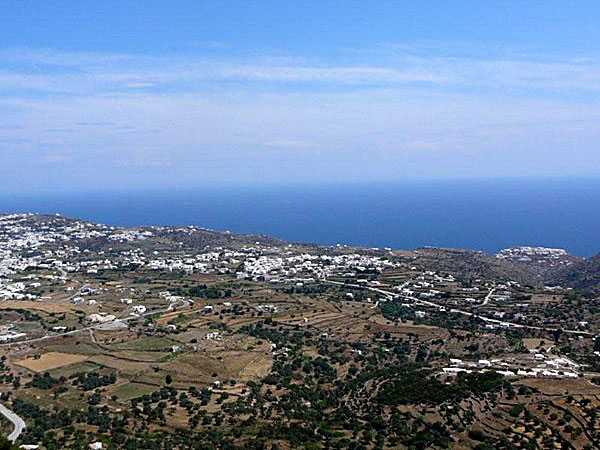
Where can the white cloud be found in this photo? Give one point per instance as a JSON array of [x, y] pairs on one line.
[[139, 85], [422, 145], [288, 144], [53, 159], [101, 74], [222, 118]]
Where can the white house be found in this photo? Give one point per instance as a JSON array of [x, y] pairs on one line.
[[138, 309]]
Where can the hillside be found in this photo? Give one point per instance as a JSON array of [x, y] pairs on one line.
[[193, 333], [470, 264], [584, 275]]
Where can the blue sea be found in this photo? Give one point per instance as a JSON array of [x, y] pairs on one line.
[[484, 215]]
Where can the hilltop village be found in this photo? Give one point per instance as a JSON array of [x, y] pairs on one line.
[[183, 337]]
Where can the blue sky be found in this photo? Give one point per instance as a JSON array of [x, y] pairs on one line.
[[188, 93]]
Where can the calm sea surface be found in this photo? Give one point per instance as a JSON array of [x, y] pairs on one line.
[[482, 215]]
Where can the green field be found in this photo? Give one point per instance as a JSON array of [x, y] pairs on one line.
[[131, 390], [147, 343]]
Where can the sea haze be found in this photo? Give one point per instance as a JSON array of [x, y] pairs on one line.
[[482, 214]]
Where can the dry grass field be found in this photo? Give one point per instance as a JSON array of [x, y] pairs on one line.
[[533, 343], [50, 360], [36, 306], [123, 366], [212, 363], [579, 386]]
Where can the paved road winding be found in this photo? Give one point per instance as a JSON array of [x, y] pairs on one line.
[[393, 295], [16, 420], [488, 297]]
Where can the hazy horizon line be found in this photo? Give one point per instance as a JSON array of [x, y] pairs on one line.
[[306, 184]]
